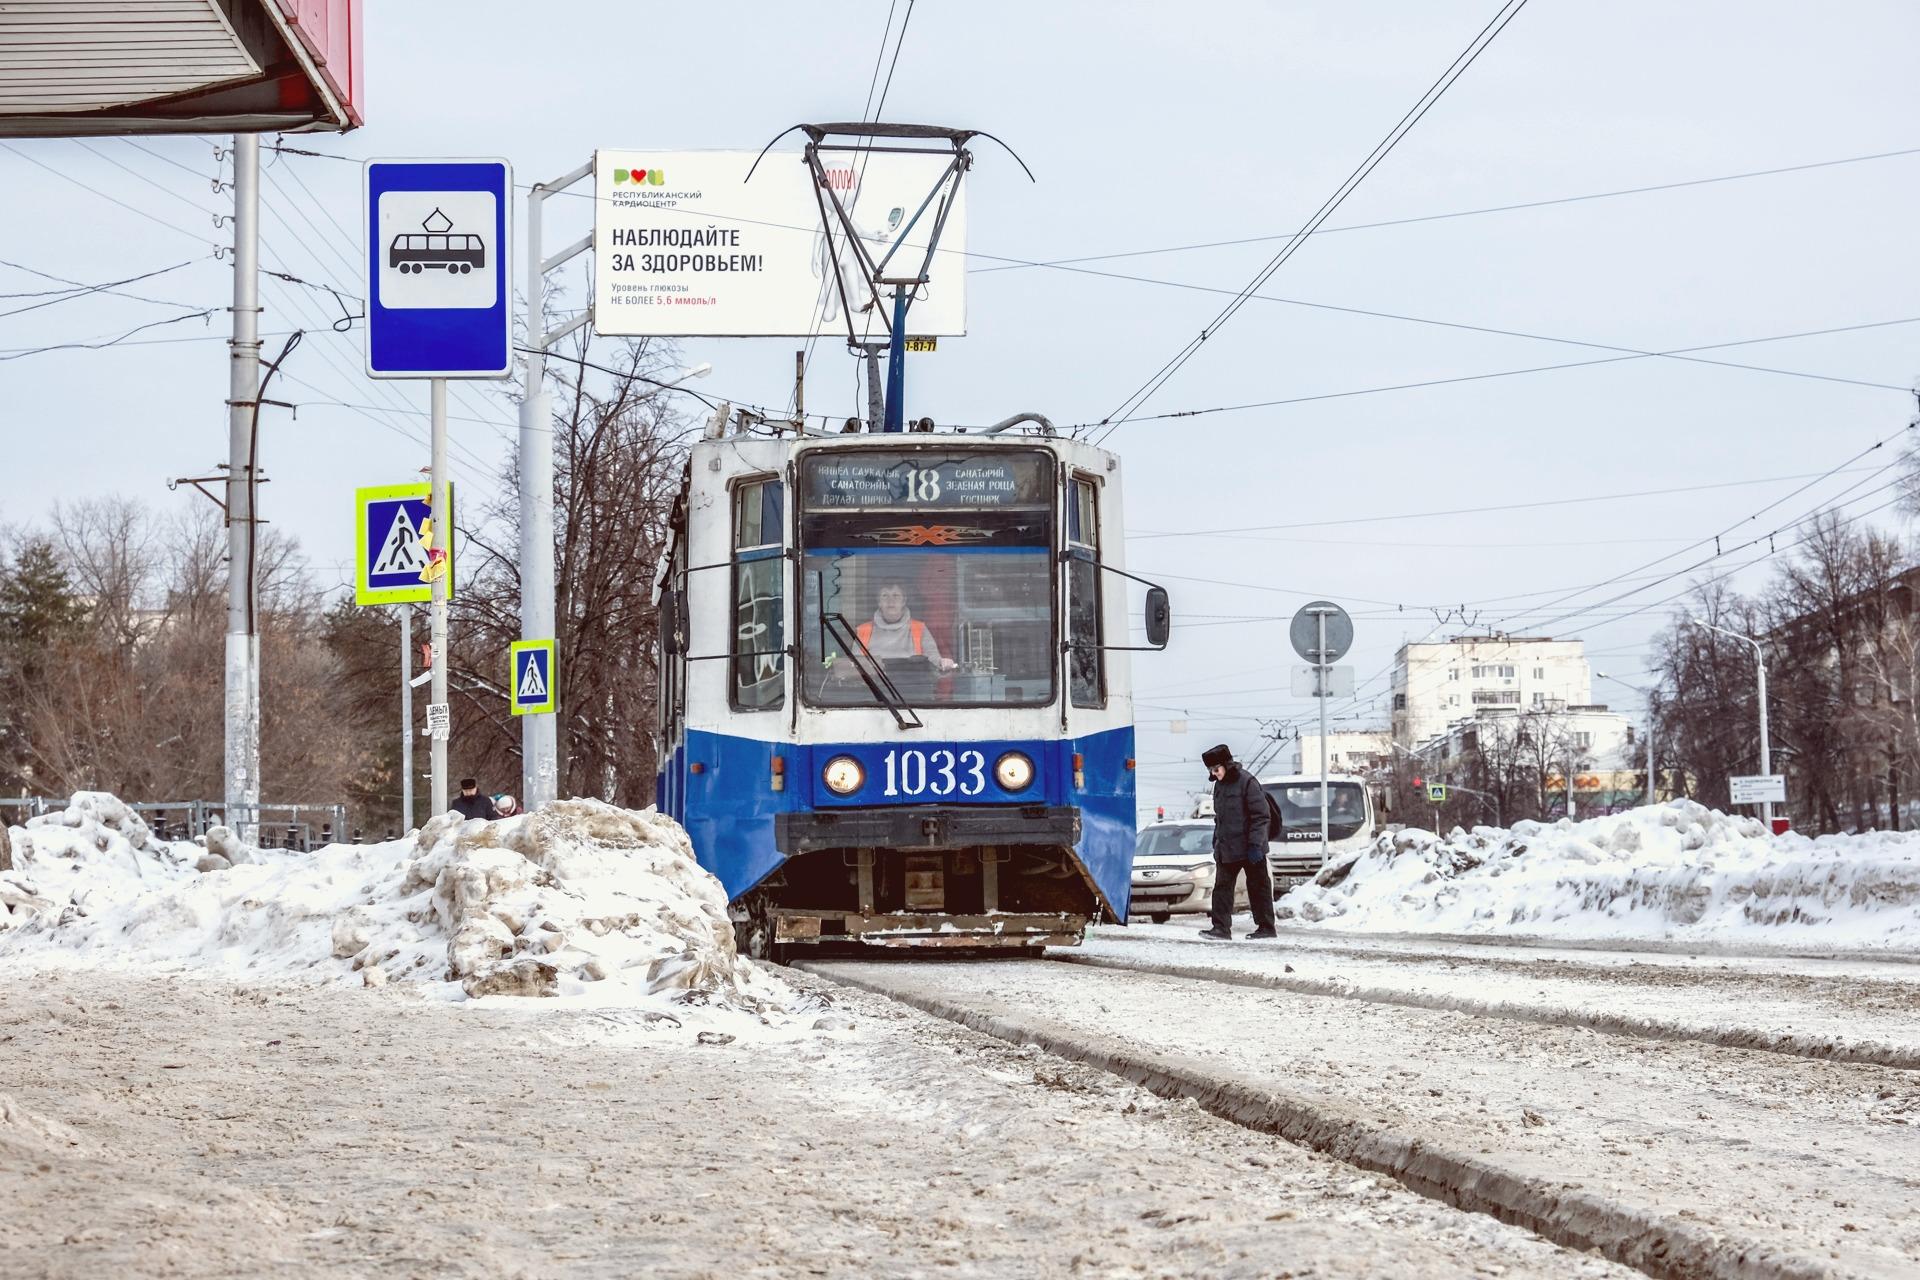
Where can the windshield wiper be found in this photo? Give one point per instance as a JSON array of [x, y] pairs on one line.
[[875, 675]]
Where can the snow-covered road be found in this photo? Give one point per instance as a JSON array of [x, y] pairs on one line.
[[191, 1126], [1748, 1162]]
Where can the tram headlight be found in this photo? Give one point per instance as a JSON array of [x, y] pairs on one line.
[[1013, 771], [843, 775]]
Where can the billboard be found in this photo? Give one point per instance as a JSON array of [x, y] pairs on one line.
[[686, 246]]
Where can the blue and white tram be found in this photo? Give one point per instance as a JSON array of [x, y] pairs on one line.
[[895, 697]]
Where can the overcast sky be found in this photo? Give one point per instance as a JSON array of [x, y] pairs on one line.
[[1149, 126]]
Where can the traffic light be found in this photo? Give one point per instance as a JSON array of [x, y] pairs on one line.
[[1160, 813], [1419, 782]]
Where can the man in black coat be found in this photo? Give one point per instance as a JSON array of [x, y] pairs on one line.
[[1241, 828], [471, 804]]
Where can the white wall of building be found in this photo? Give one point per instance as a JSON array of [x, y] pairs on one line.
[[1348, 751], [1436, 683]]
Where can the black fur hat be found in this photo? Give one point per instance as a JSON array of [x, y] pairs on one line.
[[1220, 755]]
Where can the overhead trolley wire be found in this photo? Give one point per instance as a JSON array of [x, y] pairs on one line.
[[1648, 189], [1715, 538], [1465, 59]]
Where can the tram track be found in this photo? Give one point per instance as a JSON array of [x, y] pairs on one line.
[[1817, 1046], [1645, 1184]]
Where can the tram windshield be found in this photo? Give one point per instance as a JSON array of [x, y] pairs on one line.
[[936, 564]]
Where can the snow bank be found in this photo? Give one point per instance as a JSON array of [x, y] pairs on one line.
[[577, 899], [1678, 870]]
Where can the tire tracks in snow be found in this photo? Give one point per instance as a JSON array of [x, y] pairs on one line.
[[1820, 1047], [1659, 1244]]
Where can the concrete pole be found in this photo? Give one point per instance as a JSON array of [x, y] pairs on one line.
[[437, 626], [1650, 790], [406, 718], [539, 739], [242, 685]]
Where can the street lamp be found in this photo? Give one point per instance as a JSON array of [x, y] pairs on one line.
[[1649, 695], [1759, 665], [700, 370]]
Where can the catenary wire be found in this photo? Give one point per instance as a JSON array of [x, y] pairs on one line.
[[1507, 12]]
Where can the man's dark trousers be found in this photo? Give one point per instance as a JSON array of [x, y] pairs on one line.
[[1226, 875]]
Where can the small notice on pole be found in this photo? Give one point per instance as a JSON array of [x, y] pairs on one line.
[[439, 721]]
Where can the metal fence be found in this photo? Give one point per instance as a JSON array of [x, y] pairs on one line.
[[303, 827]]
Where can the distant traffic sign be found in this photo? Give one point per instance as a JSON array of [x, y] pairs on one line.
[[391, 562], [1436, 793], [438, 301], [1759, 789], [532, 671], [1305, 632]]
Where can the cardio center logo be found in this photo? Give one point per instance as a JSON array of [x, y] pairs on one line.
[[639, 177]]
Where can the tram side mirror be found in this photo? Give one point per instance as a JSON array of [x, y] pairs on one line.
[[673, 622], [1159, 617]]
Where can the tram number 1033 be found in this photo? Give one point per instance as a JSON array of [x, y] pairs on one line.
[[936, 773]]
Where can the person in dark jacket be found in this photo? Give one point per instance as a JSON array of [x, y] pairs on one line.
[[1241, 827], [471, 804]]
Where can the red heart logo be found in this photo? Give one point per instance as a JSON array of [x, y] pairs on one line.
[[639, 175]]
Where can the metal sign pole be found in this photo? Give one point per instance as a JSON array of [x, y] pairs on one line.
[[1325, 675], [437, 626], [406, 718], [1766, 752]]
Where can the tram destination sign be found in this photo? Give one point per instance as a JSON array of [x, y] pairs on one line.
[[855, 481]]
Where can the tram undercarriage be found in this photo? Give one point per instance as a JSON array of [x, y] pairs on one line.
[[925, 877]]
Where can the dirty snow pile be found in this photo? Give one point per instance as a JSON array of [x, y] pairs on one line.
[[1677, 870], [578, 898]]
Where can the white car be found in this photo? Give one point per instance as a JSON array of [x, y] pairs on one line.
[[1173, 871]]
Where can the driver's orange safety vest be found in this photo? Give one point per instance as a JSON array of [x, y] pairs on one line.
[[917, 628]]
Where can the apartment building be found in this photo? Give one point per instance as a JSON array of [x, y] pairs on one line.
[[1354, 751], [1438, 682]]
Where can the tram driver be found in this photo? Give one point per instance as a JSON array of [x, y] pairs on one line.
[[893, 632]]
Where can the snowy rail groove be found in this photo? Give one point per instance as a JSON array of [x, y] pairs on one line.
[[1676, 1157], [1812, 1007]]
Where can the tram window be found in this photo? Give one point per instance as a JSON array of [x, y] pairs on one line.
[[951, 628], [939, 562], [1085, 666], [758, 681]]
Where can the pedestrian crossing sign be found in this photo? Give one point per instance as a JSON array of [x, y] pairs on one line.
[[532, 672], [397, 541]]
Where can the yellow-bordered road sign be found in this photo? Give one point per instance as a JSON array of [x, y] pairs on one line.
[[534, 671], [391, 559]]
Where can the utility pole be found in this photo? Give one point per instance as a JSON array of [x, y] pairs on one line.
[[539, 735], [242, 685], [1766, 751], [876, 399]]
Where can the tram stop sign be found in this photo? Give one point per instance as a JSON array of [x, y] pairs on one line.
[[1305, 632]]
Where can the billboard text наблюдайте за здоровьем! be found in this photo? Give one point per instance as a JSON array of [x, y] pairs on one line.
[[684, 246]]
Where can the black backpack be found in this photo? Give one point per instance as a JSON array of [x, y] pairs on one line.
[[1274, 824]]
